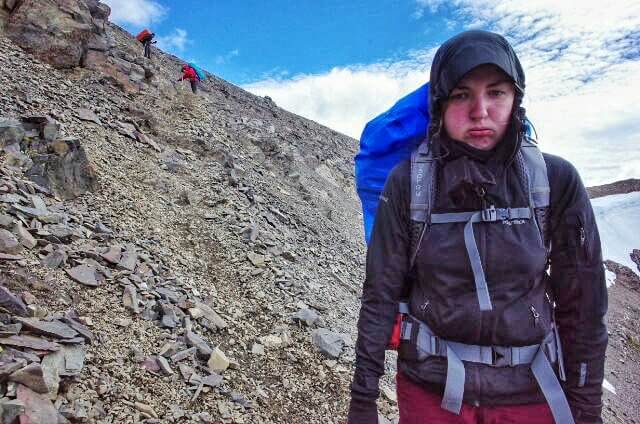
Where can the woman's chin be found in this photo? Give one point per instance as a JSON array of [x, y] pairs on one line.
[[481, 143]]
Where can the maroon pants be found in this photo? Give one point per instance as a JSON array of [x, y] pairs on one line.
[[420, 406]]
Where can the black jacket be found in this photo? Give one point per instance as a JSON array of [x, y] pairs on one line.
[[440, 286]]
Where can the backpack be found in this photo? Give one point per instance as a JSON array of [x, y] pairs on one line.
[[387, 140], [143, 35], [201, 75]]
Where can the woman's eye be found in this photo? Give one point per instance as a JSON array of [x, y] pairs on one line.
[[497, 93], [458, 96]]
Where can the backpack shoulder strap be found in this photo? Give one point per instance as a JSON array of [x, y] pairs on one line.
[[534, 173], [536, 170], [423, 179]]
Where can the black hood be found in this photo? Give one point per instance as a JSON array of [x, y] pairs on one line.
[[463, 53]]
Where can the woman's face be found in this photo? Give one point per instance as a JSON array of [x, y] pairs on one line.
[[478, 110]]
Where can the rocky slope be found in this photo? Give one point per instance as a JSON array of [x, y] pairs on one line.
[[199, 257]]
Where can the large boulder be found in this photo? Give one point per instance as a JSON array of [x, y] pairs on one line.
[[65, 169], [58, 31], [11, 132]]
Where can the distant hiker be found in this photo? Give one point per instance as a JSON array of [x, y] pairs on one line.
[[484, 269], [145, 37], [193, 74]]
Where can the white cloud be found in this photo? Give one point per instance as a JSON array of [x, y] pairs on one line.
[[582, 63], [222, 59], [422, 5], [175, 41], [138, 13]]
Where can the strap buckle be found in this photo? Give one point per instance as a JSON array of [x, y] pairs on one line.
[[501, 356], [489, 215]]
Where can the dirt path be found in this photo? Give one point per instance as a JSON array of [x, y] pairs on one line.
[[623, 353]]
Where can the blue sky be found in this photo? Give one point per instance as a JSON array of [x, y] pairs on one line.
[[341, 63], [250, 40]]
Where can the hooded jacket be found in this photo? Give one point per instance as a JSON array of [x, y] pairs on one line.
[[440, 285]]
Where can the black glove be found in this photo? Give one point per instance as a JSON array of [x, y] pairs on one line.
[[362, 412]]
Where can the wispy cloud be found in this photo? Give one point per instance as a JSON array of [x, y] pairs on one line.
[[582, 63], [222, 59], [423, 6], [138, 13], [175, 42]]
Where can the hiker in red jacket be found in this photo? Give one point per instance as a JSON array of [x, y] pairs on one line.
[[189, 74], [146, 38]]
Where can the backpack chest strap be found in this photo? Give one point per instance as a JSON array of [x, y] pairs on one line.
[[486, 215]]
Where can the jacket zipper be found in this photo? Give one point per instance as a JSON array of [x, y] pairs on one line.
[[535, 315], [582, 237]]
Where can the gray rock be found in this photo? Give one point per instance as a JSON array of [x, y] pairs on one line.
[[24, 236], [11, 198], [32, 377], [85, 274], [213, 380], [11, 409], [71, 320], [6, 221], [12, 303], [145, 139], [38, 409], [198, 342], [11, 132], [256, 259], [187, 353], [8, 367], [35, 343], [307, 316], [48, 328], [127, 129], [55, 259], [67, 172], [168, 294], [31, 212], [9, 243], [212, 316], [88, 115], [113, 255], [53, 365], [164, 365], [129, 258], [46, 127], [169, 317], [328, 342], [7, 330], [74, 357], [130, 299]]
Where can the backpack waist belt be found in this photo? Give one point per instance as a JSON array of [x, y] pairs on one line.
[[540, 356], [490, 214]]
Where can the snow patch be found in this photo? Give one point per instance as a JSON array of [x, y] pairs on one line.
[[610, 277], [618, 218]]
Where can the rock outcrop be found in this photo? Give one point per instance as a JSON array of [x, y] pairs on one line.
[[60, 32], [60, 164]]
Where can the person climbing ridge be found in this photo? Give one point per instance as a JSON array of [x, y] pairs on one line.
[[146, 38], [193, 74]]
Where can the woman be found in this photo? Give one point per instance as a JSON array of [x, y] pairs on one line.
[[190, 74], [484, 323]]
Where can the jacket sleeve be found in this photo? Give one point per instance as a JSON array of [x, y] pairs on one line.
[[578, 282], [387, 264]]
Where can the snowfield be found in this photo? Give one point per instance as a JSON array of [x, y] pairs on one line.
[[618, 218]]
